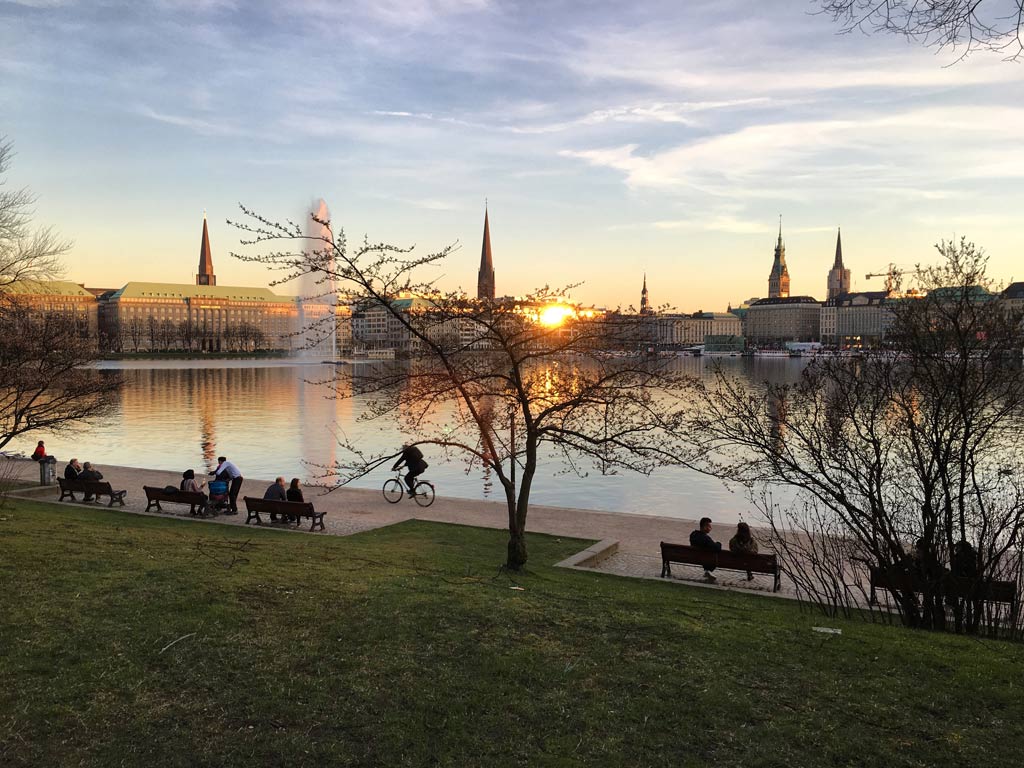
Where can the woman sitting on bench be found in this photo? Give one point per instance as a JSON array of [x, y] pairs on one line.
[[189, 483]]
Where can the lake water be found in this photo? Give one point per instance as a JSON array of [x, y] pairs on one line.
[[270, 420]]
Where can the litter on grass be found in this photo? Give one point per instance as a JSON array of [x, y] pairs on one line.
[[518, 589], [827, 630]]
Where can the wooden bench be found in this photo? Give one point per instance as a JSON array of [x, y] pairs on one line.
[[959, 587], [196, 500], [68, 488], [724, 559], [97, 488], [288, 508]]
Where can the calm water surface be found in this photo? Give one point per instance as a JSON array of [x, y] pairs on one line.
[[270, 420]]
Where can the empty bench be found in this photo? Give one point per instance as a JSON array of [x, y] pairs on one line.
[[97, 488], [723, 559], [195, 500], [297, 509]]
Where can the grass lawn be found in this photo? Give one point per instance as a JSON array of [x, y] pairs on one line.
[[127, 640]]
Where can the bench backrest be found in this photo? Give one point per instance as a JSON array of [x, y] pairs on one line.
[[683, 553], [101, 487], [185, 497], [304, 508], [71, 485]]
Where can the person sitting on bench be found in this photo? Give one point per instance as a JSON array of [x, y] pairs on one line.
[[275, 492], [72, 470], [743, 543], [189, 482], [701, 539], [88, 473]]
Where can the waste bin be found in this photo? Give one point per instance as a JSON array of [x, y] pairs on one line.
[[48, 470]]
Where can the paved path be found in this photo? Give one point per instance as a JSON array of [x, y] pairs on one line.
[[351, 510]]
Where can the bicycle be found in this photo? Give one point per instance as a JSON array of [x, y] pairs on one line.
[[395, 489]]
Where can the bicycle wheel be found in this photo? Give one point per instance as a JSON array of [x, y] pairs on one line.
[[394, 490], [424, 494]]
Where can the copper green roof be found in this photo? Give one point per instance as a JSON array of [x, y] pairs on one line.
[[184, 291], [46, 287]]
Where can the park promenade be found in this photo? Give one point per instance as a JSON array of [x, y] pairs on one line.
[[631, 542]]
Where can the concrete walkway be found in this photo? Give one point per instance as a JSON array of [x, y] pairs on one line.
[[352, 510]]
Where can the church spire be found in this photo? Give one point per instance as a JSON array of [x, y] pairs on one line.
[[485, 275], [205, 275], [778, 280], [838, 276], [645, 304]]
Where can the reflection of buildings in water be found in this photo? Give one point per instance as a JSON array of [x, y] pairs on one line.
[[207, 432], [194, 405]]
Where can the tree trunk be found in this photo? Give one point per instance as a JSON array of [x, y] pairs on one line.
[[516, 550]]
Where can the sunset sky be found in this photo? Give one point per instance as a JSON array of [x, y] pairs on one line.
[[610, 139]]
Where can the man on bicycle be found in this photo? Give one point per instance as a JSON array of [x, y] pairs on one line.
[[412, 457]]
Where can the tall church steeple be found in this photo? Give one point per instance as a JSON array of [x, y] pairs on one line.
[[485, 275], [205, 275], [778, 280], [645, 304], [838, 276]]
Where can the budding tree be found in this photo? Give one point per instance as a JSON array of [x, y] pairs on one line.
[[503, 383]]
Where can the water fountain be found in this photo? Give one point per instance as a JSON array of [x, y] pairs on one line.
[[317, 296]]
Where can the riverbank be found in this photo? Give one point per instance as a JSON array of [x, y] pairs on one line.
[[352, 510], [135, 640]]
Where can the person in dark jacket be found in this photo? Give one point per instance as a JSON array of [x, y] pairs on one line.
[[701, 539], [89, 473], [275, 492], [72, 470], [295, 494], [412, 457]]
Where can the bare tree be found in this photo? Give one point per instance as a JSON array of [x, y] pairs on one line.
[[135, 332], [967, 25], [27, 253], [497, 382], [907, 462], [48, 383]]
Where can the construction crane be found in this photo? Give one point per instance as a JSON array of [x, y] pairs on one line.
[[892, 273]]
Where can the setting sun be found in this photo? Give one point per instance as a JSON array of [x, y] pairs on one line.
[[555, 314]]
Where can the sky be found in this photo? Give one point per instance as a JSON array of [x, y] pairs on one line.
[[611, 140]]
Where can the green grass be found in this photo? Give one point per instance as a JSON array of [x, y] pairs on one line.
[[405, 646]]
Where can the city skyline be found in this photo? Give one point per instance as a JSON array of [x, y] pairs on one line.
[[610, 142]]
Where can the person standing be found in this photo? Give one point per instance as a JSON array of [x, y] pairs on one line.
[[226, 470], [701, 539]]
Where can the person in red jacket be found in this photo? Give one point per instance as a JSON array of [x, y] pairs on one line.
[[40, 452]]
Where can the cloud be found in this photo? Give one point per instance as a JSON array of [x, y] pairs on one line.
[[197, 125]]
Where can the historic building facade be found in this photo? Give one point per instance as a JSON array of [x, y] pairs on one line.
[[774, 321], [856, 319], [204, 317], [59, 297]]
